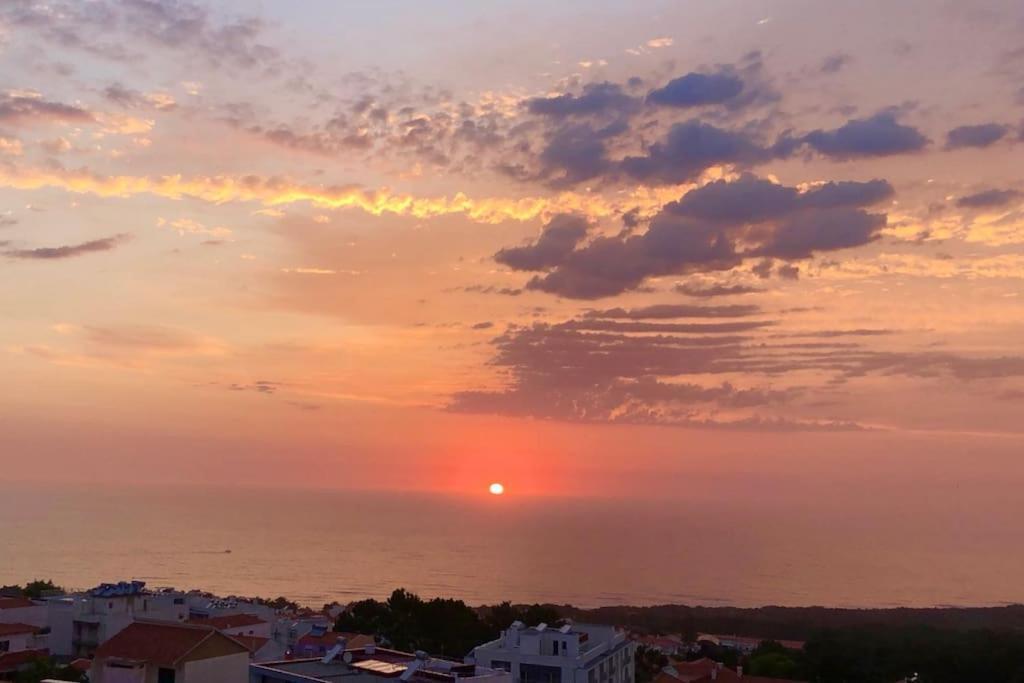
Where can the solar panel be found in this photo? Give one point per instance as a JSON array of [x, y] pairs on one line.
[[380, 668]]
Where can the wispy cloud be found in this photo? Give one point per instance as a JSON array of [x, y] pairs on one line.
[[70, 250]]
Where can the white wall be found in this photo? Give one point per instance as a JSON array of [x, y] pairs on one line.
[[34, 615], [16, 642], [230, 669]]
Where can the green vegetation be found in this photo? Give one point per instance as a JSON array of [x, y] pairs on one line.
[[440, 626], [278, 603], [44, 668], [33, 589], [648, 663]]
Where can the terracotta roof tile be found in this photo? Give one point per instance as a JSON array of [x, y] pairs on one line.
[[229, 621], [162, 644], [14, 629], [15, 603]]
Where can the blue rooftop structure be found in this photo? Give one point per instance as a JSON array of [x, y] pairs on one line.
[[119, 589]]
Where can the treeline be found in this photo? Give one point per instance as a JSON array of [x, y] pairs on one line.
[[441, 626], [793, 623], [33, 589], [894, 653]]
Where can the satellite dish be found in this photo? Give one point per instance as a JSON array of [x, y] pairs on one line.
[[347, 657]]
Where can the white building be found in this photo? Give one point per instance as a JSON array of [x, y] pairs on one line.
[[81, 622], [574, 653], [18, 637], [153, 652], [22, 611], [372, 664]]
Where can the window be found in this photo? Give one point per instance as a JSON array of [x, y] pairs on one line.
[[538, 673], [165, 675], [5, 645], [554, 647], [501, 665]]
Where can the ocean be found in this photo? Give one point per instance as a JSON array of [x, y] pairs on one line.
[[320, 546]]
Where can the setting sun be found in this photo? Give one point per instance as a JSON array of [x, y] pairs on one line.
[[496, 489]]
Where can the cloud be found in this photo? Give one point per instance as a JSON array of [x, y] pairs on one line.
[[979, 136], [713, 376], [259, 386], [697, 89], [277, 191], [190, 29], [577, 152], [689, 149], [559, 237], [20, 109], [127, 97], [486, 325], [705, 291], [835, 63], [662, 311], [876, 136], [68, 251], [715, 228], [655, 43], [988, 199], [10, 146], [596, 99]]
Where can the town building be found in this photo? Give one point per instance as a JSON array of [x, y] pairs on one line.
[[80, 623], [319, 641], [237, 625], [158, 652], [706, 670], [666, 645], [372, 664], [20, 644], [18, 610], [745, 644], [574, 653]]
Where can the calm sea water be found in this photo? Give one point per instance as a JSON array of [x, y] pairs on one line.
[[316, 546]]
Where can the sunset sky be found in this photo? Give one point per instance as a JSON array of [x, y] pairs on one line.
[[580, 247]]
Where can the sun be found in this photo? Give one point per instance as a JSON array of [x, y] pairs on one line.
[[496, 489]]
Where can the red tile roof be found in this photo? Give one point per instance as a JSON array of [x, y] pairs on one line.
[[15, 603], [82, 664], [14, 629], [252, 643], [751, 642], [704, 670], [163, 644], [230, 621]]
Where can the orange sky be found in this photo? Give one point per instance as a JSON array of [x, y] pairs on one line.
[[594, 249]]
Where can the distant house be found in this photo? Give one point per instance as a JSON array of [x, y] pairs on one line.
[[574, 653], [261, 649], [20, 645], [319, 642], [705, 670], [372, 664], [666, 645], [745, 644], [80, 623], [237, 624], [18, 610], [165, 652]]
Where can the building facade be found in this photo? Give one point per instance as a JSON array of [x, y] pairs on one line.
[[574, 653]]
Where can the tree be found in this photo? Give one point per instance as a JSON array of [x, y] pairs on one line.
[[44, 668], [772, 660], [648, 663]]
